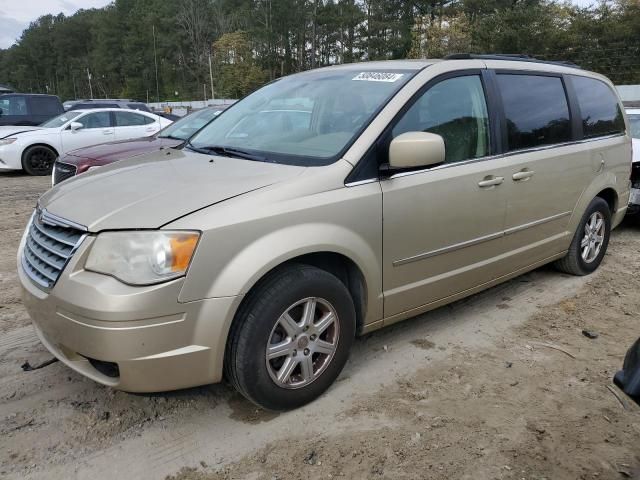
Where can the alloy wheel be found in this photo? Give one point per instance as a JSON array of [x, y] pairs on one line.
[[41, 160], [594, 231], [302, 343]]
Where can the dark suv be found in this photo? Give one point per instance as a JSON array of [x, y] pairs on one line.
[[106, 103], [28, 109]]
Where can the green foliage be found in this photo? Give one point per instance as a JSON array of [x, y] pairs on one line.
[[272, 38], [236, 71]]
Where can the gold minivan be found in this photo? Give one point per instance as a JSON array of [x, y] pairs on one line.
[[326, 204]]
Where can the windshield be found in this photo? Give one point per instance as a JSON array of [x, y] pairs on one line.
[[634, 123], [185, 127], [60, 120], [306, 119]]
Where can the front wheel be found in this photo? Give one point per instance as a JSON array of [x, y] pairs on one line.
[[291, 338], [590, 241], [38, 160]]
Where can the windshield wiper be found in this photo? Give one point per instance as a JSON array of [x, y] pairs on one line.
[[171, 137], [228, 152]]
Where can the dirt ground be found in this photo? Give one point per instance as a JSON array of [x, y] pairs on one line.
[[502, 385]]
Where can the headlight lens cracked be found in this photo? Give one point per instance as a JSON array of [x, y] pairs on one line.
[[142, 257]]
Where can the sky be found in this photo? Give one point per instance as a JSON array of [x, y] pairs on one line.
[[15, 15]]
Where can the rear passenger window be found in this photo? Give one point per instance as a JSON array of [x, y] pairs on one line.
[[95, 120], [46, 106], [599, 107], [456, 110], [13, 106], [536, 110], [130, 119]]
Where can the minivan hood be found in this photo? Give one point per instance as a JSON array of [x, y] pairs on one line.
[[151, 190], [12, 130]]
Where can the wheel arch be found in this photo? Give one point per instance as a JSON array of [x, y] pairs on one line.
[[37, 144], [605, 187], [339, 265], [610, 196]]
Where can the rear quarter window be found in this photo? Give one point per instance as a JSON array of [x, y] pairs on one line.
[[536, 110], [45, 106], [599, 108]]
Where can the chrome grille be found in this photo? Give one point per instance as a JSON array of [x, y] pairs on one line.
[[50, 242], [62, 171]]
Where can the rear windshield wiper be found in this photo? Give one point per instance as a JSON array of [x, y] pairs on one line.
[[228, 152]]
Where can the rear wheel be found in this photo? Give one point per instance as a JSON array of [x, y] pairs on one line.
[[590, 241], [38, 160], [291, 338]]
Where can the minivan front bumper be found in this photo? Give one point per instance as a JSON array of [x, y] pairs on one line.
[[137, 339]]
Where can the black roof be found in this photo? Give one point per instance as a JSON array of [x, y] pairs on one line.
[[507, 56], [16, 94]]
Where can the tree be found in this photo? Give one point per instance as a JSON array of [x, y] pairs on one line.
[[279, 37], [235, 68]]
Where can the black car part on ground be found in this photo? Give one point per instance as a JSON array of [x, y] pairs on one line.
[[628, 379]]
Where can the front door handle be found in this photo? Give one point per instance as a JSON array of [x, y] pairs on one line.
[[523, 175], [490, 181], [107, 132]]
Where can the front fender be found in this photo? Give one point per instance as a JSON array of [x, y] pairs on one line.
[[248, 265]]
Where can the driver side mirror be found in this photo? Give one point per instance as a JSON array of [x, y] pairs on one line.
[[76, 126], [416, 149]]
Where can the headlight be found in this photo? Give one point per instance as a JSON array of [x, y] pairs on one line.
[[142, 258], [7, 141]]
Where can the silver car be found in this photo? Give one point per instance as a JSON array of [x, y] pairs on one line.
[[326, 204]]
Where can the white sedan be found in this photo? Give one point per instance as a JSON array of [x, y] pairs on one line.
[[34, 149]]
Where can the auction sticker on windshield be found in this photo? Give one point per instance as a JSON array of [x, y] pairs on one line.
[[378, 76]]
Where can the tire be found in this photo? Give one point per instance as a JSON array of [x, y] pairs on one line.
[[312, 365], [576, 262], [38, 160]]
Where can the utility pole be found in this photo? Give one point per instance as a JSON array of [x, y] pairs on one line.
[[204, 88], [90, 89], [211, 78], [155, 61]]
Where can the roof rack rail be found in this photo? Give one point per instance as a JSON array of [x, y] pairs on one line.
[[508, 56]]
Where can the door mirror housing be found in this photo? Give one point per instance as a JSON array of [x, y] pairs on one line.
[[76, 126], [416, 149]]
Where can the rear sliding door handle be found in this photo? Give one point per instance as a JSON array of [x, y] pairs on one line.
[[490, 181], [523, 175]]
